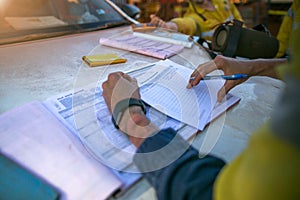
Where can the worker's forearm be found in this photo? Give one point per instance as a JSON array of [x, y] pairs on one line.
[[264, 67]]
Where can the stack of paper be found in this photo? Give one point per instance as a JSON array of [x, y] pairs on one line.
[[141, 45]]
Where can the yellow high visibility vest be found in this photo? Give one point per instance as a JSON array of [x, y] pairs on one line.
[[269, 167], [290, 22], [192, 24]]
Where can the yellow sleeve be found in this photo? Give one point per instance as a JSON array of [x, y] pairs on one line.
[[289, 24], [236, 13], [283, 35], [186, 25], [291, 40], [269, 166], [193, 24], [267, 169]]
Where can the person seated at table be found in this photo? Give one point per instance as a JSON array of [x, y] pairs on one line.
[[267, 169], [201, 18]]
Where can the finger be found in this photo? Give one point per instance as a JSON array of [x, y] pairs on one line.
[[114, 76], [153, 18], [156, 21], [221, 94], [200, 72], [134, 85], [127, 77], [134, 80], [229, 84], [111, 81], [161, 23], [194, 79], [106, 94], [104, 86], [152, 21]]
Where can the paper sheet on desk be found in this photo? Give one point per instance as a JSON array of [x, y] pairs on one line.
[[157, 49], [164, 88], [86, 115], [31, 135]]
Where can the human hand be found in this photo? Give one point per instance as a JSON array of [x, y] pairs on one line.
[[133, 122], [119, 86], [228, 65], [156, 21]]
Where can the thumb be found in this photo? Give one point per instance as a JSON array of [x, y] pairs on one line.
[[134, 80], [152, 16], [229, 84]]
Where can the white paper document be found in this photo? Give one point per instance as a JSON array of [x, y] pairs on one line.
[[32, 136], [164, 88], [85, 113], [153, 48]]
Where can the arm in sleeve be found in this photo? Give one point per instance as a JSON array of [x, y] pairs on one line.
[[187, 25], [175, 169], [284, 34]]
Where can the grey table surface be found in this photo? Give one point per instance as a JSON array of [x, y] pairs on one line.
[[40, 69]]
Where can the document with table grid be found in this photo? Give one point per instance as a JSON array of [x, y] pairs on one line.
[[164, 88], [85, 113]]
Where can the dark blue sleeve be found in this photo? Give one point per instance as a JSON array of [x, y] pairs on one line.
[[175, 169]]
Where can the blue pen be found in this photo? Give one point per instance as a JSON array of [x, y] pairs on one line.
[[226, 77]]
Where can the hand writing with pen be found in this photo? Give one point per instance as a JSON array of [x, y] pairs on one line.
[[235, 71]]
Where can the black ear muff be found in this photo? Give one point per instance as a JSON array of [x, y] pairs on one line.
[[231, 39], [221, 37]]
